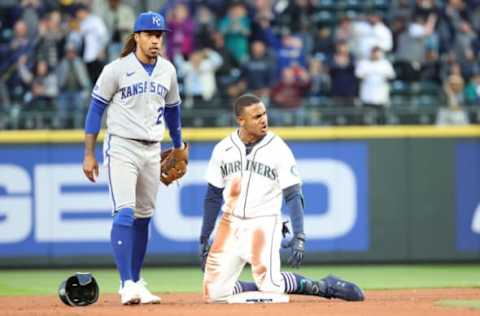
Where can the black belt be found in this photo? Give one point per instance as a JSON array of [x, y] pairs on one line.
[[145, 142]]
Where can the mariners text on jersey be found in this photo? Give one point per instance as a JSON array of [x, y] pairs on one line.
[[143, 87], [259, 168]]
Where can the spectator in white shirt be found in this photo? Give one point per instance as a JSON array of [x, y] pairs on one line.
[[374, 74], [370, 33], [95, 38], [198, 75]]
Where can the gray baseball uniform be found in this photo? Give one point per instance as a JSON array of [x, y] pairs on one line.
[[135, 127]]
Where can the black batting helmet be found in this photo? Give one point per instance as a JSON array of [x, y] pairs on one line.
[[80, 289]]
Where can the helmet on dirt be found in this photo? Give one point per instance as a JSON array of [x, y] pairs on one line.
[[80, 289], [150, 21]]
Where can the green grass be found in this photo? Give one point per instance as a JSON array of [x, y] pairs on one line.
[[369, 277], [474, 304]]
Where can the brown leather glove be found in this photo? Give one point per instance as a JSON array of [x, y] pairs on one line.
[[173, 164]]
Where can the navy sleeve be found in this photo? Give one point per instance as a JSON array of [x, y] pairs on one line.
[[93, 120], [212, 204], [294, 200], [172, 119]]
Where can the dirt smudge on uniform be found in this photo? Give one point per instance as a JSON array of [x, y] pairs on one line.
[[222, 235], [258, 243], [212, 267]]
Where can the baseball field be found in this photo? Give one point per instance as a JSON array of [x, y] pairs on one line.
[[390, 290]]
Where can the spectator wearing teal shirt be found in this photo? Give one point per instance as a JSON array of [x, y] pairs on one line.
[[235, 27]]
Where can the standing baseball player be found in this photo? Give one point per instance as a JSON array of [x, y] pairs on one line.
[[139, 91], [251, 170]]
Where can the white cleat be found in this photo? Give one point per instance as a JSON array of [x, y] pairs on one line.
[[146, 297], [129, 293]]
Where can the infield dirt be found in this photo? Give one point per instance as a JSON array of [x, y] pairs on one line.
[[421, 302]]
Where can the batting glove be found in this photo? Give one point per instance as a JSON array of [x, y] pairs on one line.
[[204, 249], [297, 245]]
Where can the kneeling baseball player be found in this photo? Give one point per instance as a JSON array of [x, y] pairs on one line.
[[251, 170]]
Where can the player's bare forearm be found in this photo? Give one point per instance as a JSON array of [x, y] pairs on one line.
[[90, 165], [90, 142]]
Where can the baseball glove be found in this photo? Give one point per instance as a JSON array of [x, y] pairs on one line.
[[173, 164]]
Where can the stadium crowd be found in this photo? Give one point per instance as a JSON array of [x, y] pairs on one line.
[[313, 62]]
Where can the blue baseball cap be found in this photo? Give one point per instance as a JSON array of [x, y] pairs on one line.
[[150, 21]]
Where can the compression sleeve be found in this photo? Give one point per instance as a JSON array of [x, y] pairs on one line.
[[294, 200], [212, 204], [93, 120], [172, 119]]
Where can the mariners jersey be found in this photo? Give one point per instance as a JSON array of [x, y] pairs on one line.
[[136, 99], [268, 169]]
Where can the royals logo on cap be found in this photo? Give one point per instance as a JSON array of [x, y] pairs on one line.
[[156, 20], [150, 21]]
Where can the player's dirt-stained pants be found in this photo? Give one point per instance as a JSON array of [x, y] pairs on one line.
[[238, 241], [133, 170]]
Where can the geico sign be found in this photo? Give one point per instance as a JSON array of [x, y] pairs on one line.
[[51, 202]]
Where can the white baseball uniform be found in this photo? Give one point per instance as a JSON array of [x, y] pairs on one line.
[[250, 231], [135, 126]]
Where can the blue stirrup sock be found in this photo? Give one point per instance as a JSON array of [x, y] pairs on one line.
[[121, 239], [293, 284], [140, 240]]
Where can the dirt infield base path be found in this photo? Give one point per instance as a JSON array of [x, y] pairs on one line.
[[405, 302]]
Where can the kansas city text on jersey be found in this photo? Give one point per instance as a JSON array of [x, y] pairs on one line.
[[259, 168], [143, 87]]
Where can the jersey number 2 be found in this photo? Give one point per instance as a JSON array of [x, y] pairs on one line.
[[160, 115]]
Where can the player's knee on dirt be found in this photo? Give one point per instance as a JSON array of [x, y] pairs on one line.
[[124, 217], [215, 292]]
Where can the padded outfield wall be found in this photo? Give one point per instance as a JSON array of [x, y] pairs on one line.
[[373, 194]]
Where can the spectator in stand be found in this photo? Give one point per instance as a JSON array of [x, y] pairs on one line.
[[198, 75], [205, 28], [463, 48], [119, 19], [323, 41], [374, 74], [94, 36], [431, 68], [52, 39], [453, 86], [75, 86], [341, 68], [43, 85], [10, 54], [319, 80], [30, 12], [236, 28], [450, 21], [370, 33], [263, 31], [288, 94], [344, 32], [296, 14], [259, 72], [180, 39], [290, 53], [412, 47], [228, 76], [472, 90]]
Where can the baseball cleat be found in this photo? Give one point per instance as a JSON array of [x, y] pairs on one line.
[[129, 293], [146, 297], [338, 288]]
